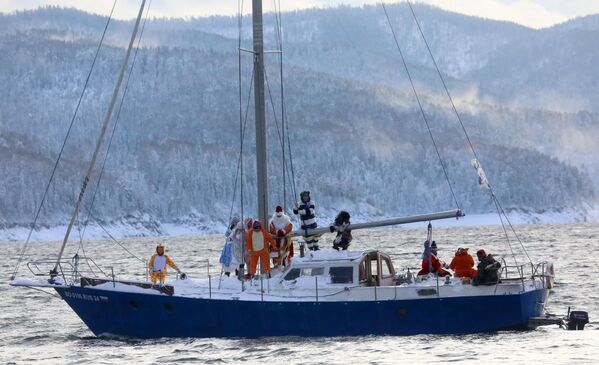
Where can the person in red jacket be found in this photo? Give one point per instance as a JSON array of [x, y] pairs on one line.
[[463, 264], [258, 245], [430, 262]]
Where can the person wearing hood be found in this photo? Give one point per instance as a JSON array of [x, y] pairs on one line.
[[229, 256], [258, 244], [487, 269], [158, 263], [463, 264], [280, 225], [430, 262], [341, 226], [306, 210]]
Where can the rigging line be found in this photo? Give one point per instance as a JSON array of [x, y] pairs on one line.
[[100, 140], [505, 232], [290, 159], [349, 40], [116, 121], [281, 136], [80, 247], [272, 104], [97, 221], [461, 122], [512, 228], [43, 291], [273, 110], [280, 44], [240, 84], [243, 128], [284, 117], [442, 81], [117, 118], [420, 106], [21, 255]]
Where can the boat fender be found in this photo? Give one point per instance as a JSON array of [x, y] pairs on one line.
[[410, 277], [183, 276], [549, 274]]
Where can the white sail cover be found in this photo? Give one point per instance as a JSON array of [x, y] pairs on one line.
[[482, 177]]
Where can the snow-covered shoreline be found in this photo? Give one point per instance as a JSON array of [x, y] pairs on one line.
[[143, 229]]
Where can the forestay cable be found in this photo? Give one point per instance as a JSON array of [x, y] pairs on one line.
[[100, 139], [90, 208], [117, 118], [39, 209]]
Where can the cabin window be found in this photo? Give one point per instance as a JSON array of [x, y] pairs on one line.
[[386, 267], [342, 275], [362, 271], [292, 274], [312, 271]]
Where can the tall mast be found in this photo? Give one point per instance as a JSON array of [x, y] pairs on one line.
[[261, 172]]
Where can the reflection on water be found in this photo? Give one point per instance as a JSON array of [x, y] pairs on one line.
[[38, 328]]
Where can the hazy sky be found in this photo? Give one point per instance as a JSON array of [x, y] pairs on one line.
[[532, 13]]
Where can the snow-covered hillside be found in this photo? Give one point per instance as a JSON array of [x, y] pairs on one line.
[[358, 140]]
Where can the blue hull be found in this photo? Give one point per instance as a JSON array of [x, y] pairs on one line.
[[151, 316]]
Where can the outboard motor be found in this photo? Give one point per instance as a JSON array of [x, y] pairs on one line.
[[577, 320]]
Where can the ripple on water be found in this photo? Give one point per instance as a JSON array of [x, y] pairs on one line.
[[38, 329]]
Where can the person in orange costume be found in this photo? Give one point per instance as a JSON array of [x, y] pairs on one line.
[[258, 243], [158, 263], [280, 225], [463, 264]]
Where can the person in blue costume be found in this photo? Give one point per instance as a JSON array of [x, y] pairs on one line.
[[229, 255]]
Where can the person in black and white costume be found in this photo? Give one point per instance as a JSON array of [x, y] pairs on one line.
[[305, 209]]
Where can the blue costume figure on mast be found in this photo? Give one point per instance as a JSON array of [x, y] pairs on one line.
[[306, 211]]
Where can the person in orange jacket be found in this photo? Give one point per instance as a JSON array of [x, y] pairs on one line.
[[258, 244], [158, 263], [463, 264], [280, 225]]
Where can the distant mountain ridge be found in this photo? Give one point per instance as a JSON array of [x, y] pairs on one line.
[[358, 141]]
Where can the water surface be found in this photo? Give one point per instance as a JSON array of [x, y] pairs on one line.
[[37, 328]]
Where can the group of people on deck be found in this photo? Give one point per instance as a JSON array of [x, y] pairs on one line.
[[462, 265], [250, 241]]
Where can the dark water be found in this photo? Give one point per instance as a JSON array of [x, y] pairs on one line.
[[36, 328]]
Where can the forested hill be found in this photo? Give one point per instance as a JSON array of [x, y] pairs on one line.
[[358, 139]]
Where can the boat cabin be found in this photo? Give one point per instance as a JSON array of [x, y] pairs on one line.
[[368, 268]]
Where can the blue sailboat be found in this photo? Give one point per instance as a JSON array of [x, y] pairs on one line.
[[337, 293]]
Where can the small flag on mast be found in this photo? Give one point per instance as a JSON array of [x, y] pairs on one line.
[[482, 177]]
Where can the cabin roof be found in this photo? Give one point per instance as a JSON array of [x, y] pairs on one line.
[[328, 256]]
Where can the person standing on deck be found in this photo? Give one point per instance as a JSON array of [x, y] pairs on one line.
[[258, 243], [305, 209], [227, 259], [158, 263], [238, 239], [280, 225]]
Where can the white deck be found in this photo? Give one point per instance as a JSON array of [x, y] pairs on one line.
[[314, 288]]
